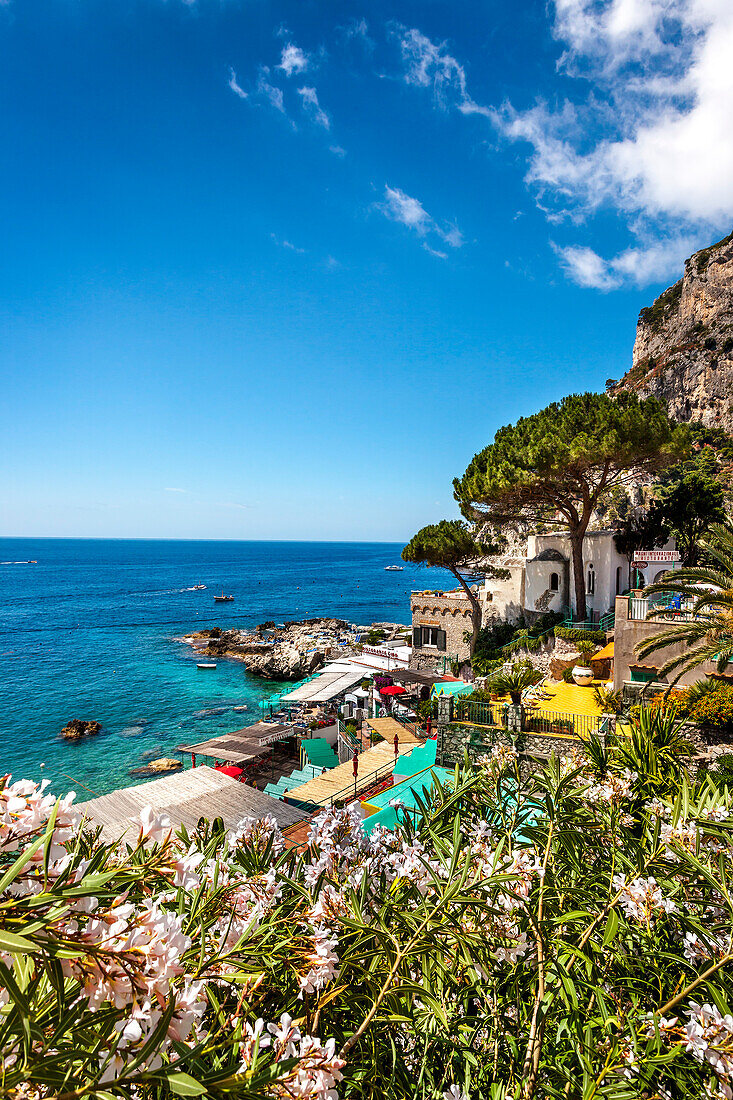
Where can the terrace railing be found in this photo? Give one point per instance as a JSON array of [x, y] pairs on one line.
[[480, 714], [664, 606], [548, 723]]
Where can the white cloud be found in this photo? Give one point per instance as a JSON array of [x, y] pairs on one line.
[[286, 244], [653, 140], [175, 490], [232, 83], [293, 60], [654, 262], [268, 91], [410, 212], [428, 65], [358, 29], [337, 150], [309, 97]]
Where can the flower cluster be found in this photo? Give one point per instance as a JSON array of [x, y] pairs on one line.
[[641, 899], [501, 759], [613, 789], [710, 1039]]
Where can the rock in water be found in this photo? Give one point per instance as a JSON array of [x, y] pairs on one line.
[[157, 767], [684, 342], [80, 727]]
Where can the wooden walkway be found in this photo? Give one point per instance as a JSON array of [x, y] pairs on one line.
[[185, 798], [339, 784], [389, 728]]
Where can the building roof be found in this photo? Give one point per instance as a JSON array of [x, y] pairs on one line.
[[333, 681], [416, 676], [185, 797], [550, 555], [244, 744]]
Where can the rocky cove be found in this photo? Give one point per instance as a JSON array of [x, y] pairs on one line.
[[278, 653]]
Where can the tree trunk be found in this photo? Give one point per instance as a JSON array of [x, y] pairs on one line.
[[576, 546]]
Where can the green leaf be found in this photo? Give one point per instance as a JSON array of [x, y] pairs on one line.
[[182, 1084], [611, 928], [15, 944]]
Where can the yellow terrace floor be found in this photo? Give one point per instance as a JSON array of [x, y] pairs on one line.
[[568, 699]]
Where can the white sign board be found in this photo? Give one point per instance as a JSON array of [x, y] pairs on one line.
[[655, 556]]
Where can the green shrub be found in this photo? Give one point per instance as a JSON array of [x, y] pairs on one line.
[[577, 634], [568, 676], [714, 710]]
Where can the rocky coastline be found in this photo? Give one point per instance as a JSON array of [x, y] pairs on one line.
[[288, 652], [278, 653]]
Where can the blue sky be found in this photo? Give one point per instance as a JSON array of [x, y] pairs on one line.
[[278, 270]]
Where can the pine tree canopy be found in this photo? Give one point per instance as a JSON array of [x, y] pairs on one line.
[[565, 456], [449, 544]]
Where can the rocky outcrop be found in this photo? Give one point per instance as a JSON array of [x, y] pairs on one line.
[[683, 352], [283, 662], [77, 728], [287, 652], [158, 767]]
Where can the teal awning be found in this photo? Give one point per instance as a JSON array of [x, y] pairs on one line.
[[451, 687]]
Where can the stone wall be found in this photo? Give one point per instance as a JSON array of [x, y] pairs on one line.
[[456, 739], [448, 611]]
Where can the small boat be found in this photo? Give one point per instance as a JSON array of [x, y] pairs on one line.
[[197, 588], [223, 598], [204, 664], [393, 568]]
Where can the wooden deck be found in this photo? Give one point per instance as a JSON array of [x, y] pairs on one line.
[[185, 797], [389, 728], [242, 745], [340, 781]]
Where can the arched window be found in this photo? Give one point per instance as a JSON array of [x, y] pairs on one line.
[[590, 586], [618, 580], [554, 582]]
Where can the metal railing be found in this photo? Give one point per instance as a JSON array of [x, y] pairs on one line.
[[604, 622], [564, 724], [664, 606], [359, 783], [480, 714], [543, 722]]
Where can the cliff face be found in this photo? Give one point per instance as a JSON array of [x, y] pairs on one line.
[[683, 352]]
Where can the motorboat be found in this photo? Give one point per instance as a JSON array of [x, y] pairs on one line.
[[197, 588], [205, 664], [393, 568], [223, 599]]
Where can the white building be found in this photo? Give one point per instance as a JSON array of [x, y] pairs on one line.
[[542, 580]]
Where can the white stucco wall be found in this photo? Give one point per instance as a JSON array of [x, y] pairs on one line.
[[528, 588]]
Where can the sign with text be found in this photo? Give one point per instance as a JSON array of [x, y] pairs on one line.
[[643, 557]]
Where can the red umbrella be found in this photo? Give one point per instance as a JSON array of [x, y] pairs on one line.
[[230, 769], [396, 689]]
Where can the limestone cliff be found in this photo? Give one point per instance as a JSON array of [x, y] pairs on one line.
[[683, 352]]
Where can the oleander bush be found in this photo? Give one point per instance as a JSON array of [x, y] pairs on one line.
[[563, 937]]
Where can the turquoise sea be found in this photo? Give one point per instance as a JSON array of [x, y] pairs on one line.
[[90, 632]]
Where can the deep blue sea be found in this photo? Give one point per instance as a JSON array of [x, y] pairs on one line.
[[90, 632]]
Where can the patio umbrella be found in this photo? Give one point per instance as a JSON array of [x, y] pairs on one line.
[[230, 769], [395, 689]]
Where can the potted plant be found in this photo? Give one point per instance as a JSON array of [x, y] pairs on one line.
[[514, 680], [583, 673]]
